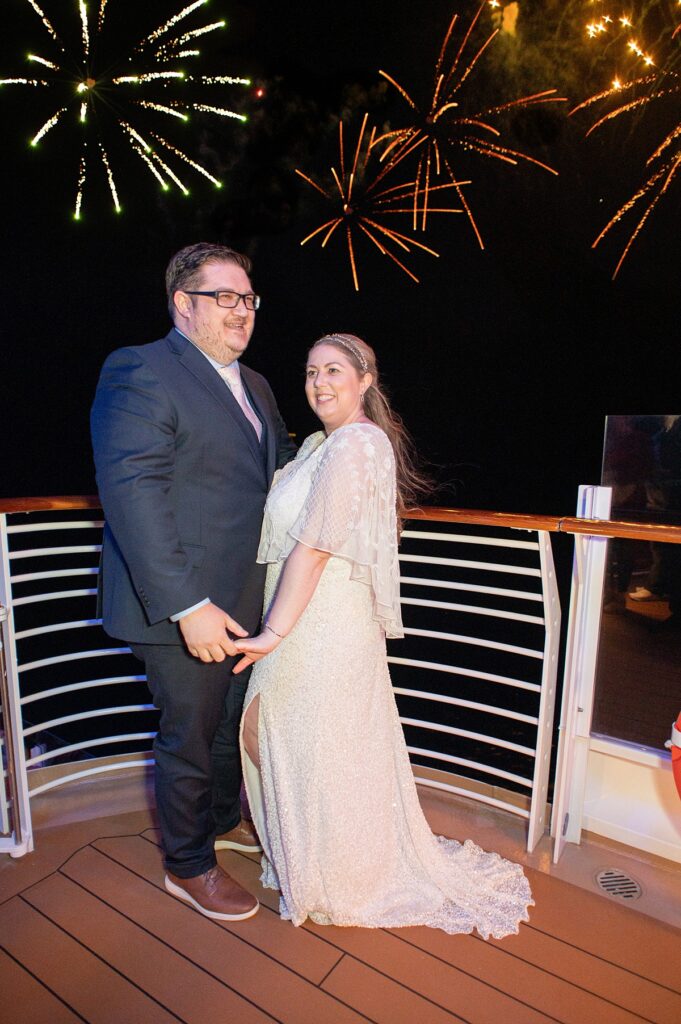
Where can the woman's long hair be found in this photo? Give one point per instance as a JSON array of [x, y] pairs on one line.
[[411, 482]]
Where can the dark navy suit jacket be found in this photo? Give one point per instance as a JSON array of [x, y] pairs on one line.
[[183, 481]]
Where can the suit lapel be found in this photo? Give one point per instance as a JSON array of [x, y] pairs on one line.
[[193, 360]]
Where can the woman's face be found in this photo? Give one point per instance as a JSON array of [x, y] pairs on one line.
[[334, 387]]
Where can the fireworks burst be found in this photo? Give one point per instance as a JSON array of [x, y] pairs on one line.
[[362, 202], [627, 33], [99, 101], [444, 125], [662, 90]]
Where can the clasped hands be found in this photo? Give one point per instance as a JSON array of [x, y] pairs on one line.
[[206, 633]]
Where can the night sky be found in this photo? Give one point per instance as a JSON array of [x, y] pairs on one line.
[[504, 362]]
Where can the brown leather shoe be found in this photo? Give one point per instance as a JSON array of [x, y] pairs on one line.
[[214, 894], [243, 838]]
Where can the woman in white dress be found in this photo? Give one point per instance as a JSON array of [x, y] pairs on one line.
[[325, 762]]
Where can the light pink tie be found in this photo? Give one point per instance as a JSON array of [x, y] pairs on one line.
[[232, 377]]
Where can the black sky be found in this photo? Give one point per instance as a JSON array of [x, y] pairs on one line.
[[504, 363]]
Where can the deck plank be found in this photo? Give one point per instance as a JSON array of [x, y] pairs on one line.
[[566, 984], [599, 959], [476, 1000], [294, 948], [53, 846], [442, 984], [167, 977], [101, 942], [208, 944], [37, 1003], [602, 927], [564, 981], [381, 998], [364, 949], [95, 991]]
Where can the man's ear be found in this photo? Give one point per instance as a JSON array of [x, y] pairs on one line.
[[182, 303]]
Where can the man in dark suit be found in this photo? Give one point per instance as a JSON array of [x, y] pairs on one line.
[[186, 443]]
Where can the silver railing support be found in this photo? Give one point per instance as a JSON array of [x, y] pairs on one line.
[[586, 596], [17, 837]]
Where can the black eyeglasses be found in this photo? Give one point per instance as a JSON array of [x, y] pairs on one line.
[[230, 300]]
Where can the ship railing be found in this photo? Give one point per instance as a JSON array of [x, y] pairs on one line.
[[475, 677]]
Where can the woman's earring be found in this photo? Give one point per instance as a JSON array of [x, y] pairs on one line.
[[361, 397]]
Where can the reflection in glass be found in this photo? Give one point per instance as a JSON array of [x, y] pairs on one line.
[[638, 682]]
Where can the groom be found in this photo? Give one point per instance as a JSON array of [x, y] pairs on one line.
[[186, 442]]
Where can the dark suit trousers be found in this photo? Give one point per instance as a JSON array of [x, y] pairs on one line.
[[198, 765]]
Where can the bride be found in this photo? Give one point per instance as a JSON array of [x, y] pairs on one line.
[[325, 763]]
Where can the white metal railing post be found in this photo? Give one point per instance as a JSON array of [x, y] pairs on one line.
[[540, 785], [8, 788], [20, 840], [586, 598]]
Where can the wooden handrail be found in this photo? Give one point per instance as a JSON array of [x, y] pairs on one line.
[[553, 524], [622, 528], [466, 516], [53, 504], [484, 517]]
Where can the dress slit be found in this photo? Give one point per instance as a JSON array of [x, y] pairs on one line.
[[253, 784]]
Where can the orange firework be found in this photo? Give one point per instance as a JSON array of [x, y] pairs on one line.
[[661, 89], [445, 125], [363, 201]]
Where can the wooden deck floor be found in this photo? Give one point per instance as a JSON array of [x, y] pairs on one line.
[[87, 933]]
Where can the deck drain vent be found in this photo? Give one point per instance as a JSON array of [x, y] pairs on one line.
[[617, 883]]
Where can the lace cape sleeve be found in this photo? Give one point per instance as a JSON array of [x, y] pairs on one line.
[[350, 511]]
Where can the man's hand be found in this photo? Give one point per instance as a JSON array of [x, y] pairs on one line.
[[254, 648], [205, 633]]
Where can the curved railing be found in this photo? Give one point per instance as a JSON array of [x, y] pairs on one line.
[[475, 677]]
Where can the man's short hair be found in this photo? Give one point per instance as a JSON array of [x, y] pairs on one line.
[[184, 270]]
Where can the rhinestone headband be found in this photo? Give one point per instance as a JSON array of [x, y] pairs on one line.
[[350, 346]]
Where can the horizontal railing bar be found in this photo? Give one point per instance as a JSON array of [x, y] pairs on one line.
[[470, 517], [28, 577], [622, 528], [57, 628], [553, 524], [452, 730], [473, 588], [60, 503], [466, 538], [473, 641], [54, 596], [87, 684], [459, 702], [144, 763], [486, 769], [470, 609], [486, 517], [455, 670], [70, 524], [85, 744], [462, 563], [75, 549], [83, 715], [480, 797], [59, 658]]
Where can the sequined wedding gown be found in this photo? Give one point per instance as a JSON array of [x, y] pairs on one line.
[[344, 836]]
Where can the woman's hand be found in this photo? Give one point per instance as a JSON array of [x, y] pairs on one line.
[[254, 648]]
